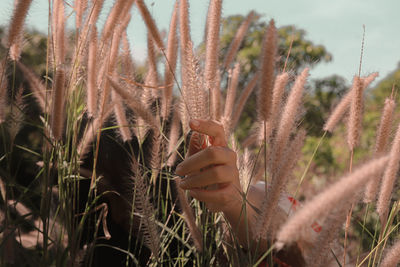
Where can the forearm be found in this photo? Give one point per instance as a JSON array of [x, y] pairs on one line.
[[241, 222], [242, 218]]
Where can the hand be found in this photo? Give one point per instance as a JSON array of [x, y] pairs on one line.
[[211, 172]]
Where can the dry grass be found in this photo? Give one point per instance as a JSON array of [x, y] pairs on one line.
[[93, 78]]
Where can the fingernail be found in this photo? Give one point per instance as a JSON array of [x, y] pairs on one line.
[[195, 123]]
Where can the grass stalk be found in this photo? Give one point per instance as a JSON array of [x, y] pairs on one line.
[[303, 176]]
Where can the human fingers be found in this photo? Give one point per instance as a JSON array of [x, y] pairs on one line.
[[221, 175], [221, 199], [213, 129], [209, 156]]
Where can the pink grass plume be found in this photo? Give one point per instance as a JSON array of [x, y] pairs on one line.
[[340, 110], [134, 104], [58, 104], [277, 97], [92, 91], [392, 256], [382, 140], [230, 98], [3, 93], [151, 25], [120, 116], [37, 87], [237, 40], [184, 36], [58, 27], [338, 113], [288, 118], [276, 107], [189, 218], [267, 76], [355, 115], [170, 65], [389, 178], [119, 7], [80, 8], [173, 138], [211, 59], [337, 194], [147, 213], [270, 203], [243, 99], [94, 13], [184, 25], [17, 21]]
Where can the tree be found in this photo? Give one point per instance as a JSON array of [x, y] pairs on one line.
[[303, 52], [318, 103]]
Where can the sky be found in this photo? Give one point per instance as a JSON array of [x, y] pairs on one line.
[[338, 25]]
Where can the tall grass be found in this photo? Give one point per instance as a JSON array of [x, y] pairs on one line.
[[104, 139]]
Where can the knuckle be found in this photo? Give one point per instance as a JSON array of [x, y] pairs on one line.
[[219, 127], [217, 123], [217, 171], [213, 152]]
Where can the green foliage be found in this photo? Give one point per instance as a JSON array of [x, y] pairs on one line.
[[62, 164], [322, 95], [303, 53]]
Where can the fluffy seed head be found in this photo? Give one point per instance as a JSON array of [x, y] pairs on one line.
[[213, 26], [382, 137], [170, 64], [92, 74], [95, 11], [337, 194], [289, 115], [389, 178], [382, 140], [355, 116], [267, 76], [37, 87], [17, 21], [58, 104], [242, 100], [237, 40], [80, 7], [338, 113], [151, 25], [119, 7], [231, 95], [392, 256]]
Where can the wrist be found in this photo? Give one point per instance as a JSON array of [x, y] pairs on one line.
[[235, 210]]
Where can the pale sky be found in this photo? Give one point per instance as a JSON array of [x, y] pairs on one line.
[[336, 24]]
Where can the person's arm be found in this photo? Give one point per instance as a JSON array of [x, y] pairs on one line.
[[211, 176]]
